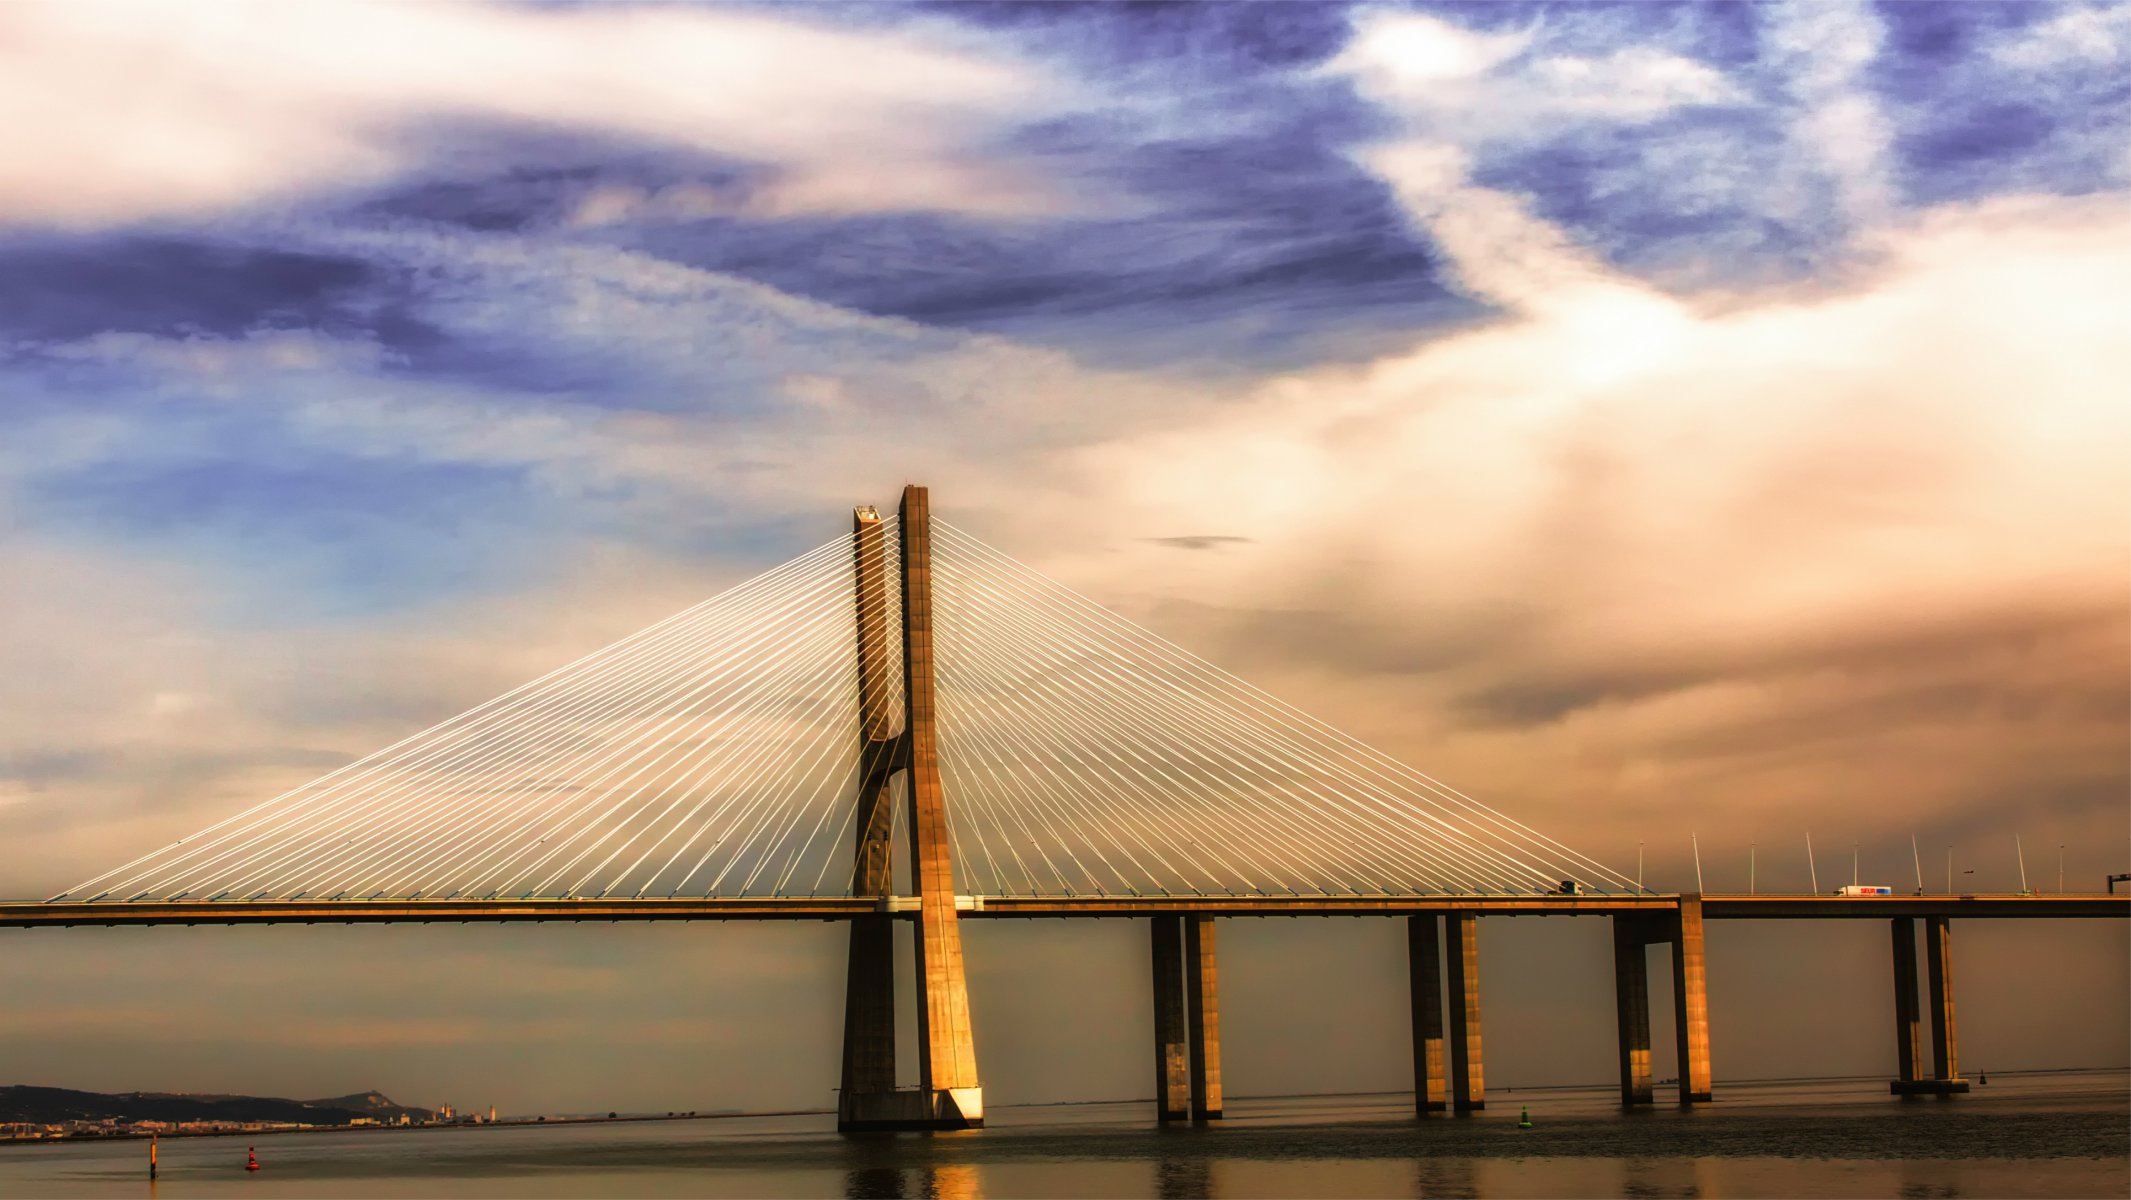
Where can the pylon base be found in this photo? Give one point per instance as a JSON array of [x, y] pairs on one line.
[[917, 1109], [1927, 1087]]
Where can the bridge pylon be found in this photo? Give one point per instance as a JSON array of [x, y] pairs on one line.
[[949, 1095]]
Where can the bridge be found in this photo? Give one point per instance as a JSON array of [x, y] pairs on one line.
[[771, 753]]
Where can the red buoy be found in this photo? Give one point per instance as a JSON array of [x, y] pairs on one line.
[[251, 1158]]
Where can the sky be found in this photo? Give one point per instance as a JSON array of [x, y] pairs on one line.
[[1657, 420]]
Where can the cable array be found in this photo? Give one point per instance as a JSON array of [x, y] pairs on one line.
[[714, 753], [718, 753], [1083, 754]]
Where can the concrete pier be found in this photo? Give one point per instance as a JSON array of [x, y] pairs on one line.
[[1631, 995], [869, 990], [1468, 1085], [1172, 1047], [1202, 994], [1945, 1046], [949, 1095], [1945, 1078], [1690, 1002], [1908, 1025], [947, 1048], [1424, 966]]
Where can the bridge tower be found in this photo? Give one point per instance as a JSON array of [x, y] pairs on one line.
[[949, 1095]]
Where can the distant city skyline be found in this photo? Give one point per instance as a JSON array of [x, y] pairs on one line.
[[1683, 425]]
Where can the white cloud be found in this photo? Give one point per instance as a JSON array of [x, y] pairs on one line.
[[1413, 56], [1474, 88], [1461, 96], [119, 110], [1498, 250], [2088, 35], [1610, 491], [1820, 51]]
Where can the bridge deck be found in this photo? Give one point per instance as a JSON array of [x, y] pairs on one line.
[[32, 914]]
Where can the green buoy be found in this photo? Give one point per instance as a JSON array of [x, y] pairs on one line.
[[1525, 1121]]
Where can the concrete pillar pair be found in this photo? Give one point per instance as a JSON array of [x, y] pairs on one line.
[[1187, 1020], [948, 1095], [1633, 934], [1945, 1076], [1466, 1088]]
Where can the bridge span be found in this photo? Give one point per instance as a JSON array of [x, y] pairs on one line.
[[772, 753], [43, 914], [1448, 1061]]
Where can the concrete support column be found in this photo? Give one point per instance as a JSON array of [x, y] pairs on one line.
[[947, 1047], [949, 1095], [1945, 1077], [1202, 993], [1424, 966], [1690, 995], [1468, 1085], [868, 1089], [1908, 1026], [1631, 997], [1945, 1046], [1172, 1052]]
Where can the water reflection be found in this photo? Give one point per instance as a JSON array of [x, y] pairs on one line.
[[873, 1183], [1445, 1177], [932, 1181], [1183, 1178], [950, 1181], [1661, 1179]]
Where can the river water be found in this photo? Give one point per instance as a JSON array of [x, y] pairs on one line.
[[2054, 1134]]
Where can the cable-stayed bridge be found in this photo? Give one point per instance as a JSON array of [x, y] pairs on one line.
[[910, 694]]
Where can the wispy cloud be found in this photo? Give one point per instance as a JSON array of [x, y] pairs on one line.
[[122, 111], [1820, 54]]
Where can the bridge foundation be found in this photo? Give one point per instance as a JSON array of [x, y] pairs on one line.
[[1187, 1019], [1908, 1027], [1424, 967], [1632, 936], [1172, 1052], [1202, 995], [1468, 1085], [1945, 1077], [1690, 1002]]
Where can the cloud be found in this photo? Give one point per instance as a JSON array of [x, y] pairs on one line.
[[1820, 53], [119, 111], [2086, 34], [1614, 548], [1201, 541], [1468, 87], [1461, 97]]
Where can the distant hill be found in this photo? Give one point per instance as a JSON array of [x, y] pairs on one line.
[[372, 1104], [45, 1105]]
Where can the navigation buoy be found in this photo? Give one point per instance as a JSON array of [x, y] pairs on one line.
[[251, 1158], [151, 1156], [1524, 1120]]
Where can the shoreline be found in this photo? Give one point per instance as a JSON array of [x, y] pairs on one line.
[[438, 1127], [543, 1122]]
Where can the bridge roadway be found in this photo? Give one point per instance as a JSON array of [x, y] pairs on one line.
[[35, 914], [1443, 959]]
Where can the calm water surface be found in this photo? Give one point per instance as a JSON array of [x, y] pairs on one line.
[[2035, 1135]]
